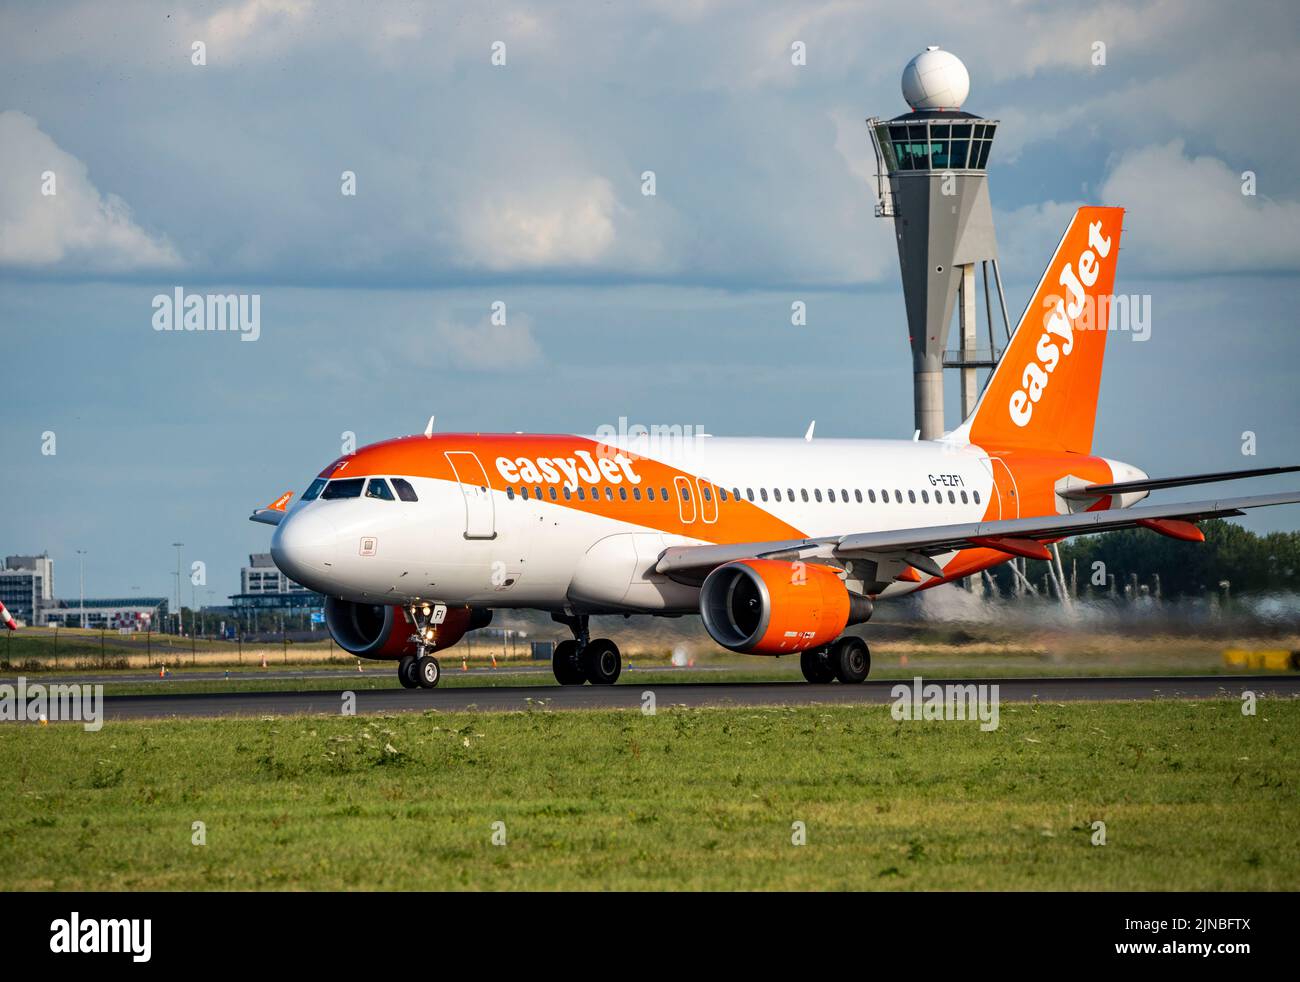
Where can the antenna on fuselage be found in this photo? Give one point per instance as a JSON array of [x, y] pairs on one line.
[[428, 430], [808, 436]]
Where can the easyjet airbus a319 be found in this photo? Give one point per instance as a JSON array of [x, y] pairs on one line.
[[779, 544]]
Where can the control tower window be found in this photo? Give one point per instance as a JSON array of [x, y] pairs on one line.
[[378, 488], [313, 492], [349, 488], [404, 489]]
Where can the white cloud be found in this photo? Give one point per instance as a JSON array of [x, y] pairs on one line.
[[567, 222], [74, 227], [1188, 215], [485, 346], [235, 25], [1183, 215]]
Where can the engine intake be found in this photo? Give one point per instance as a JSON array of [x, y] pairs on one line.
[[383, 631], [772, 607]]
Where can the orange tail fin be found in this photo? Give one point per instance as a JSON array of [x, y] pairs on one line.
[[1043, 394]]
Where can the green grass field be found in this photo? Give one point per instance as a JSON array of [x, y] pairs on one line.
[[1194, 796]]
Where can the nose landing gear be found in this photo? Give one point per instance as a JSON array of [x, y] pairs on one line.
[[582, 659], [422, 670]]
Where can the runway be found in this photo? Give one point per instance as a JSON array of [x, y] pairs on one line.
[[690, 695]]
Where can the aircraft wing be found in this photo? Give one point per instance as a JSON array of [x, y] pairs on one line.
[[1014, 536]]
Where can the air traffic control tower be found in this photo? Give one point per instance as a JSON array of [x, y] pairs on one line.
[[931, 181]]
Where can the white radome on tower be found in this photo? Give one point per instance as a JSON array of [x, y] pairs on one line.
[[935, 79]]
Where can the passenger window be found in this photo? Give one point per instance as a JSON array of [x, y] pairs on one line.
[[898, 496], [762, 493], [510, 494], [964, 500], [976, 495], [789, 493], [722, 494], [568, 493], [911, 496], [830, 495], [664, 493], [349, 488], [857, 495], [582, 495], [844, 495], [313, 492], [952, 498], [537, 491], [749, 493], [378, 488], [871, 496], [636, 494], [925, 496], [622, 493], [686, 493], [817, 493], [735, 493], [404, 489], [776, 493], [803, 493], [523, 492], [551, 489], [707, 495]]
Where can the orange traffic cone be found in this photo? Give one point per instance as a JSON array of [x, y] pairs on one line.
[[902, 659], [264, 659], [162, 671], [494, 659], [464, 665], [358, 665]]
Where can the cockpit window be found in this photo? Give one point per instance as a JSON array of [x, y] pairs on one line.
[[404, 489], [349, 488], [378, 488], [313, 492]]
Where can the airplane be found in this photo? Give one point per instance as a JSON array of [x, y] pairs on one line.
[[779, 544]]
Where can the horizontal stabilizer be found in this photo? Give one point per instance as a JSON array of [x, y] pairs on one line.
[[1157, 483]]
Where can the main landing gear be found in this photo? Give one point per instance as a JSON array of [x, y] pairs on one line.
[[582, 659], [421, 670], [848, 659]]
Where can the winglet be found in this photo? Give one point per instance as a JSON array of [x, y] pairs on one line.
[[272, 513]]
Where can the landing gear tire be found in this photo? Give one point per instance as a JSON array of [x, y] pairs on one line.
[[406, 673], [428, 671], [601, 663], [816, 666], [850, 659], [566, 664]]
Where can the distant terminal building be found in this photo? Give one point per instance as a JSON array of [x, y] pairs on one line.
[[115, 614], [263, 587], [27, 587]]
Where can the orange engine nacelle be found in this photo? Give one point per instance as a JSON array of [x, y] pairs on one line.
[[770, 607], [379, 631]]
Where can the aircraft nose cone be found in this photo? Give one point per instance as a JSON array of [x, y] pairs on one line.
[[304, 547]]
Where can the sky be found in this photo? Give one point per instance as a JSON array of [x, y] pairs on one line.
[[521, 184]]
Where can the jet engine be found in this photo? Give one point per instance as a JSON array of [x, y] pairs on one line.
[[382, 631], [773, 607]]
